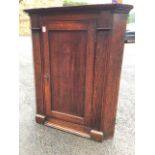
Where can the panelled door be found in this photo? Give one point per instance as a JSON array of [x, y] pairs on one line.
[[68, 70]]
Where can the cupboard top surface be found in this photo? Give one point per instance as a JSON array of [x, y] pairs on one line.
[[120, 8]]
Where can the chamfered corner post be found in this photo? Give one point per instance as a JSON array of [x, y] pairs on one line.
[[38, 67], [114, 63]]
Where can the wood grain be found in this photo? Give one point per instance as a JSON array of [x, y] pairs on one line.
[[111, 86], [38, 69], [68, 67]]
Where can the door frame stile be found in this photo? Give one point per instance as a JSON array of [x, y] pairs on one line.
[[46, 74], [90, 60]]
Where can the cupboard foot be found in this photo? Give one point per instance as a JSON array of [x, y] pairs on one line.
[[96, 135], [40, 118]]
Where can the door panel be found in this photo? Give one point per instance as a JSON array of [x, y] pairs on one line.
[[69, 59], [67, 68]]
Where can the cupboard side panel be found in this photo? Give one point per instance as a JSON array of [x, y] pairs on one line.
[[109, 107]]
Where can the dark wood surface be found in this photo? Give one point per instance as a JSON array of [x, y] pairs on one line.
[[98, 7], [77, 59]]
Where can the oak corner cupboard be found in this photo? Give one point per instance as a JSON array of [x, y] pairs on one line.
[[77, 61]]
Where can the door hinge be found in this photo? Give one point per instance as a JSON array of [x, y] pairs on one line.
[[43, 28]]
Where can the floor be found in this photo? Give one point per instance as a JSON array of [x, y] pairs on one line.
[[37, 139]]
